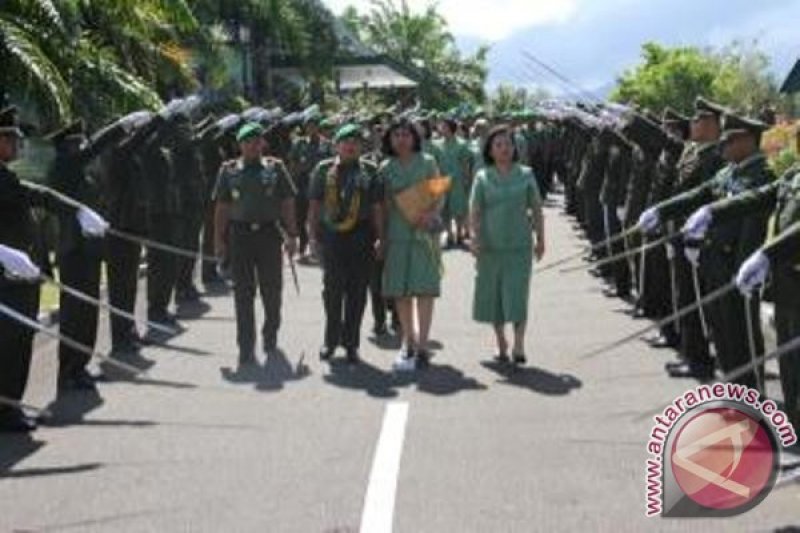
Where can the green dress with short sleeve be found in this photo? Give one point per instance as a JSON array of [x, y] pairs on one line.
[[505, 262], [454, 158], [413, 257]]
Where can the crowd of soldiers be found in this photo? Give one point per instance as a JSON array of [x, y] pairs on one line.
[[179, 186], [701, 191]]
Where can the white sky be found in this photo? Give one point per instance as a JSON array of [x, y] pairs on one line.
[[487, 19]]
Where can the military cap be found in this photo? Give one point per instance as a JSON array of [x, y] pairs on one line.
[[348, 131], [73, 131], [736, 125], [704, 108], [671, 116], [249, 131], [9, 124], [644, 132]]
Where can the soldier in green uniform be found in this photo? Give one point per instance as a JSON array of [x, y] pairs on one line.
[[728, 244], [659, 280], [306, 153], [612, 197], [345, 221], [125, 196], [255, 197], [503, 203], [700, 161], [454, 163], [19, 288], [163, 221], [780, 256], [79, 258], [191, 183]]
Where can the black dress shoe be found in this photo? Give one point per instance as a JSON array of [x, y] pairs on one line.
[[692, 370], [674, 364], [82, 380], [519, 359], [353, 357], [423, 358], [380, 330], [13, 420], [326, 354]]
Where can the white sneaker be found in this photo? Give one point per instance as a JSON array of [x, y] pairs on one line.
[[405, 362]]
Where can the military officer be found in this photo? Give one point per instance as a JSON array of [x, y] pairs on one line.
[[728, 244], [345, 220], [306, 153], [79, 258], [254, 207], [17, 236], [779, 256]]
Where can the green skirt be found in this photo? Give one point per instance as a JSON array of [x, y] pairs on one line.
[[456, 202], [502, 286], [412, 268]]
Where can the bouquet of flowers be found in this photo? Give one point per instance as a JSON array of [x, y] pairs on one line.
[[420, 204]]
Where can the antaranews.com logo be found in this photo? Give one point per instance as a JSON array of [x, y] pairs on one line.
[[715, 452]]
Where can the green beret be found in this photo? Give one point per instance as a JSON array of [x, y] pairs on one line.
[[348, 131], [248, 131]]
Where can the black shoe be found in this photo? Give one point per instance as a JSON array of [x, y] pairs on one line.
[[13, 420], [423, 358], [674, 364], [82, 380], [661, 342], [352, 356], [380, 330], [326, 354], [501, 359], [520, 359], [699, 371]]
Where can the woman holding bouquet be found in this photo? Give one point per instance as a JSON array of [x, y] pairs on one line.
[[412, 275], [505, 209]]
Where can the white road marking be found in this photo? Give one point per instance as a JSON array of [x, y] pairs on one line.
[[378, 515]]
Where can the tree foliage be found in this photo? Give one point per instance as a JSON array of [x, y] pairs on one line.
[[737, 76], [423, 40]]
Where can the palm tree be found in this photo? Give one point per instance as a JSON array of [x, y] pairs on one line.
[[31, 32]]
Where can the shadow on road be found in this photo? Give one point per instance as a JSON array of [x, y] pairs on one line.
[[192, 310], [365, 377], [51, 471], [14, 448], [445, 380], [273, 376], [535, 379]]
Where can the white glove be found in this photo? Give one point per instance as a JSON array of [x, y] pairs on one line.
[[92, 224], [692, 255], [752, 273], [649, 221], [621, 213], [18, 265], [697, 226]]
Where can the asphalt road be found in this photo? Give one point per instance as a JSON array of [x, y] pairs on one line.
[[300, 446]]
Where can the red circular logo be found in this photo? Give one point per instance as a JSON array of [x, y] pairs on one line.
[[723, 458]]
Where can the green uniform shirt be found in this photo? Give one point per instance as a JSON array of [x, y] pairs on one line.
[[354, 182], [305, 154], [255, 191], [505, 205]]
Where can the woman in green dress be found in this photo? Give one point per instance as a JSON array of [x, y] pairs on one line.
[[505, 209], [455, 161], [412, 272]]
